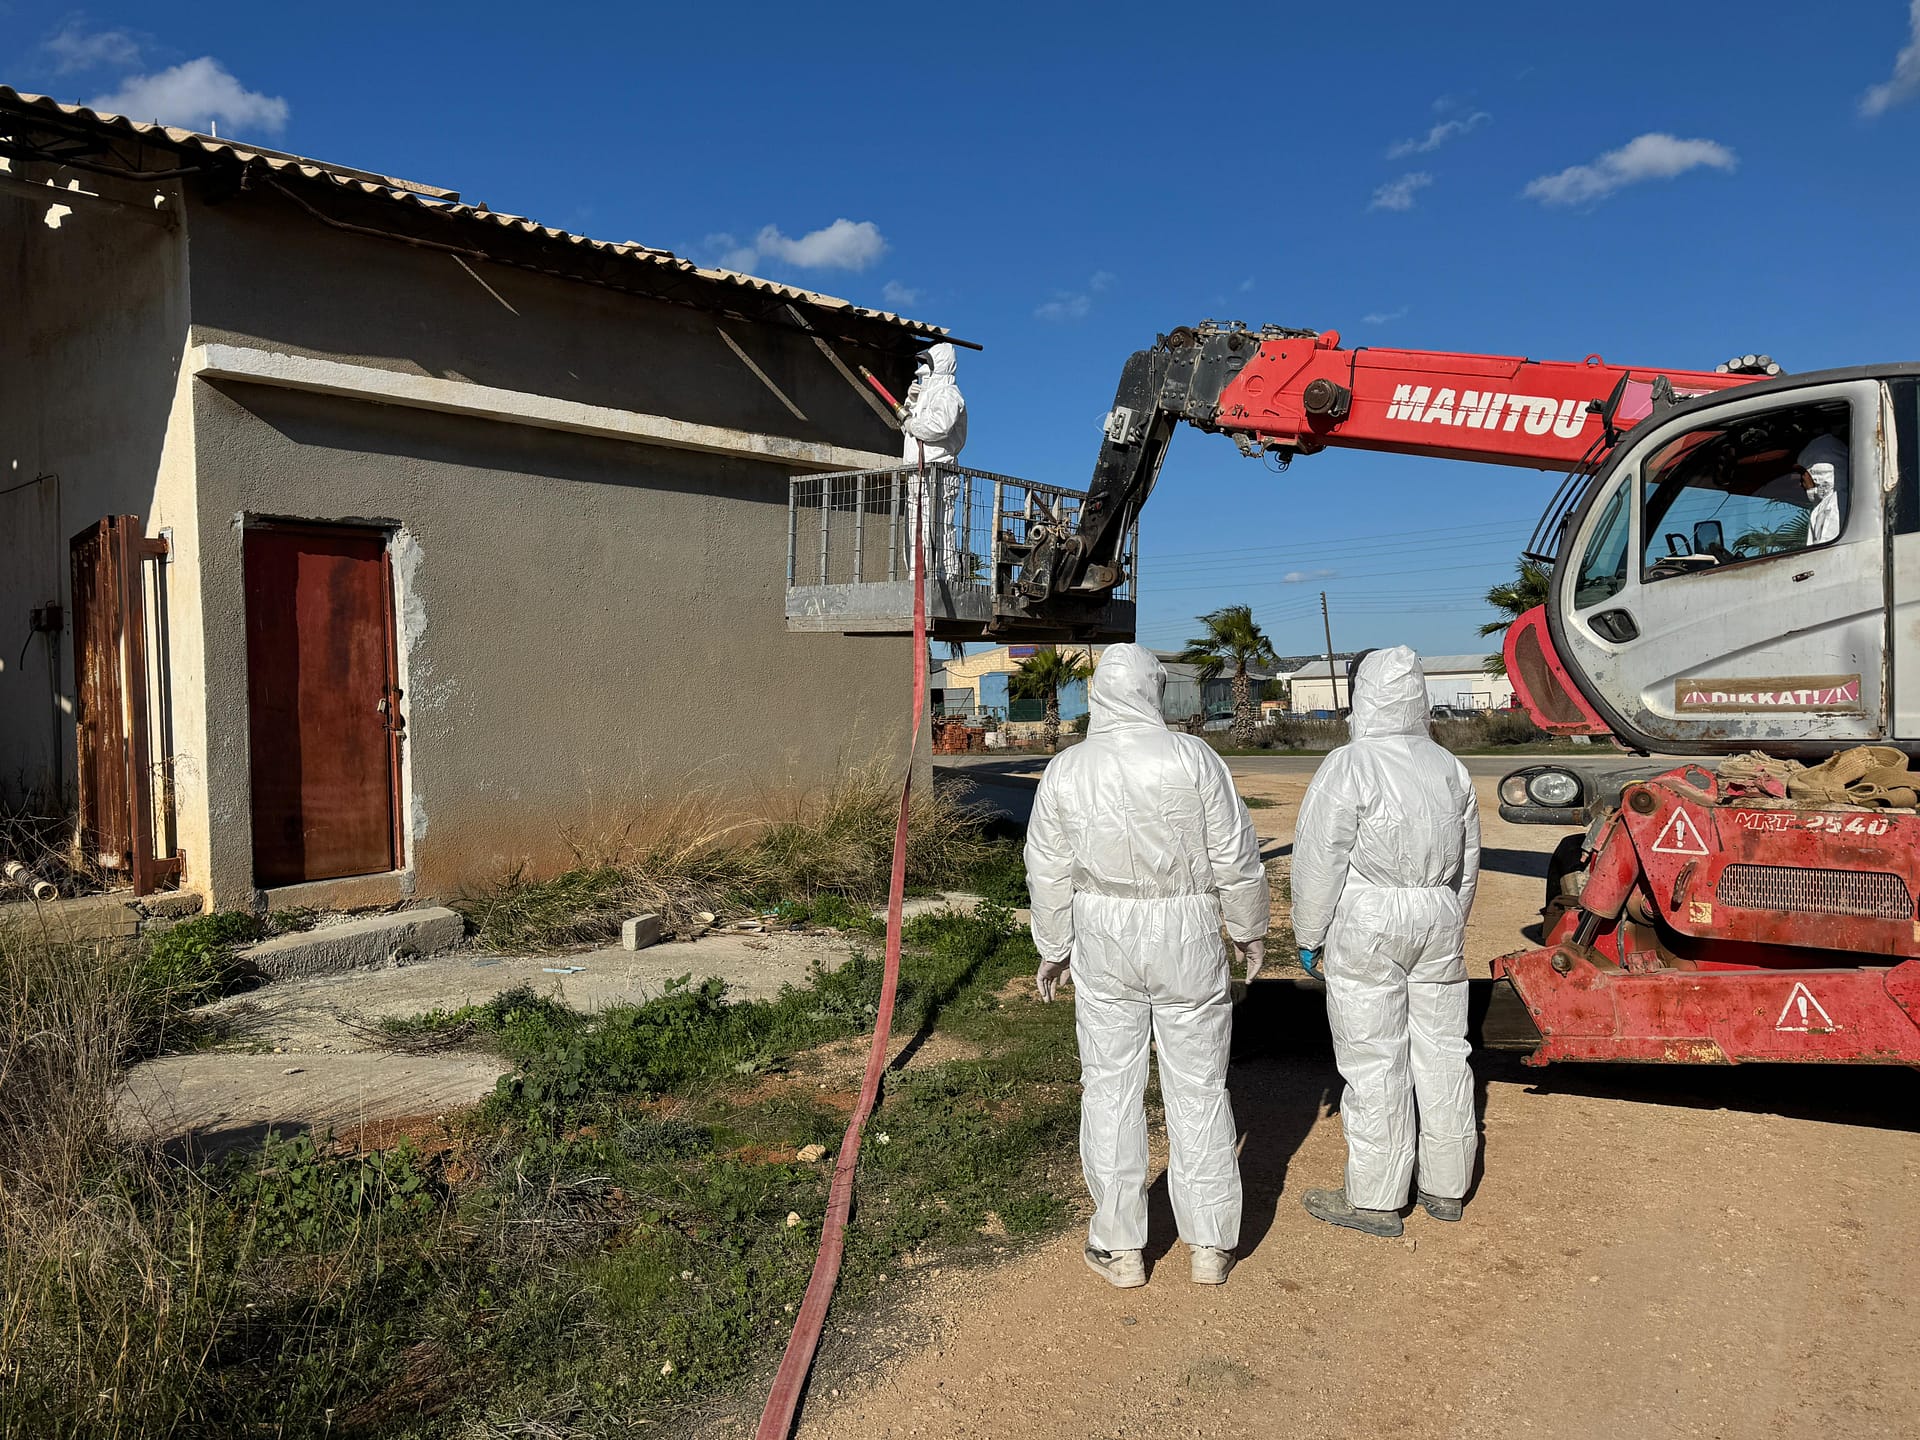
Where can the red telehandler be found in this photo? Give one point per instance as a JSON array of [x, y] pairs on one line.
[[1707, 598]]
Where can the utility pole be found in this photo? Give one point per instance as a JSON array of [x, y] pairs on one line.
[[1333, 680]]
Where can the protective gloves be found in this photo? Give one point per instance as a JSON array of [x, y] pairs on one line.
[[1254, 952], [1310, 962], [1049, 976]]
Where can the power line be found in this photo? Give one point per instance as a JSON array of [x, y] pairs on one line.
[[1265, 584], [1325, 541]]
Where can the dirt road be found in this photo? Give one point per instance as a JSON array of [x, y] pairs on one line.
[[1513, 858], [1636, 1261], [1649, 1252]]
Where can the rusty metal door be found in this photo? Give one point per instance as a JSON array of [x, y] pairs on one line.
[[113, 719], [323, 705]]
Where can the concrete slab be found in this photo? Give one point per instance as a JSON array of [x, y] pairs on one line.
[[358, 944], [310, 1062], [317, 1013], [80, 917], [214, 1102]]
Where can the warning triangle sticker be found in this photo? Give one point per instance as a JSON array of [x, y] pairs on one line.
[[1803, 1012], [1680, 837]]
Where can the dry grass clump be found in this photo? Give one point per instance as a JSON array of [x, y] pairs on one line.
[[698, 857], [96, 1320]]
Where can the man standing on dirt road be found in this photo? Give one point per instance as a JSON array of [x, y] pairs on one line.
[[1138, 848], [1385, 859]]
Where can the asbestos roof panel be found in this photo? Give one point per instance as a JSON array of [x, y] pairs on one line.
[[429, 198]]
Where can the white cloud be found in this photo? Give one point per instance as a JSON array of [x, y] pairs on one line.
[[894, 293], [1065, 305], [75, 48], [195, 96], [1069, 305], [1439, 135], [1246, 285], [843, 245], [1905, 83], [1384, 317], [1653, 156], [1398, 194], [1300, 577]]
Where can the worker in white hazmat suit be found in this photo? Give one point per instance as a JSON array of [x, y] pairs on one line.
[[1824, 473], [933, 422], [1385, 858], [1137, 850]]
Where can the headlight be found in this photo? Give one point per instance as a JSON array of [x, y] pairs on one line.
[[1513, 790], [1553, 787]]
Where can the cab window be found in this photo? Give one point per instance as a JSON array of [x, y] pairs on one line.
[[1745, 489], [1603, 565]]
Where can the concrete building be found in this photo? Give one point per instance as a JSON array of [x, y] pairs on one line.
[[1457, 681], [978, 682], [466, 521]]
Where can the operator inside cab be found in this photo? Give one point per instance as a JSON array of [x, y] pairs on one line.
[[1824, 473]]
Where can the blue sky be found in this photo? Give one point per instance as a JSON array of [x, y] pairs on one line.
[[1062, 183]]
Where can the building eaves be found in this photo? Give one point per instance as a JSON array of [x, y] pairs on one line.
[[413, 196]]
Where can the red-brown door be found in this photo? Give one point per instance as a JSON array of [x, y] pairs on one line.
[[323, 708]]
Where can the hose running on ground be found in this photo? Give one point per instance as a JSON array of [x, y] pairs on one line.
[[776, 1421]]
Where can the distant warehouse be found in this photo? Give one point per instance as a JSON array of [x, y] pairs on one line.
[[367, 539]]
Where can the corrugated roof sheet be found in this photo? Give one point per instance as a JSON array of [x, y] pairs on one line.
[[431, 199]]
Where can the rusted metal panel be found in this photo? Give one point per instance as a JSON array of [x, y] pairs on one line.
[[99, 638], [113, 720], [323, 703]]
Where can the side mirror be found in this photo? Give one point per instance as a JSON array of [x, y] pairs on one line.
[[1677, 544], [1708, 536]]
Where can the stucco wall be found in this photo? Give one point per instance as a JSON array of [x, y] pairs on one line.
[[89, 361], [588, 624]]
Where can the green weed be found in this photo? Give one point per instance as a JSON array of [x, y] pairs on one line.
[[197, 959]]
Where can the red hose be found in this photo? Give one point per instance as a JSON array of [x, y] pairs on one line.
[[776, 1421]]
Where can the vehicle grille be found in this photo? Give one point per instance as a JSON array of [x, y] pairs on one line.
[[1819, 892]]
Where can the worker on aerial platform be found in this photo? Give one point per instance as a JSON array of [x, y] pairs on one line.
[[933, 420]]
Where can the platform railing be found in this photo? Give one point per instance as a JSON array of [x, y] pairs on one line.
[[848, 537]]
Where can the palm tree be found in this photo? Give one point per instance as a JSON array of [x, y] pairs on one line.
[[1790, 533], [1232, 639], [1526, 591], [1042, 676]]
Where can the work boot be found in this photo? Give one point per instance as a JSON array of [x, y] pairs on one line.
[[1210, 1264], [1439, 1207], [1122, 1269], [1333, 1207]]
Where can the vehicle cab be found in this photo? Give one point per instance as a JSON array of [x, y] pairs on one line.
[[1739, 573]]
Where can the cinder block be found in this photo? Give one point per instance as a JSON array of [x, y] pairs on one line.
[[641, 931], [358, 944]]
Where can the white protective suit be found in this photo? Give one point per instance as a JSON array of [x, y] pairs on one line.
[[1825, 458], [1137, 849], [934, 425], [1385, 858]]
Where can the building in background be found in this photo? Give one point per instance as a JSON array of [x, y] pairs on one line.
[[1458, 682], [410, 537], [977, 684]]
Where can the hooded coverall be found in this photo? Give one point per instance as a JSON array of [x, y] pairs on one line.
[[1385, 858], [1137, 849], [934, 425], [1825, 459]]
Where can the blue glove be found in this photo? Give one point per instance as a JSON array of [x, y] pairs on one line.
[[1310, 962]]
